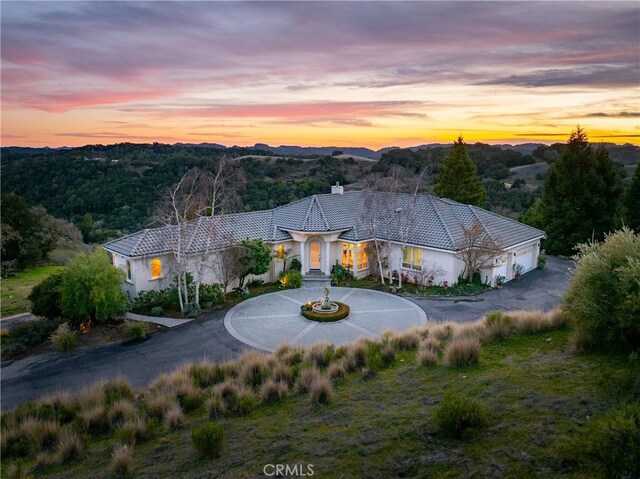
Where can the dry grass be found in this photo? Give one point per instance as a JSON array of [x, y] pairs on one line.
[[430, 343], [335, 371], [282, 372], [226, 389], [94, 420], [173, 417], [442, 332], [91, 396], [475, 330], [41, 435], [206, 374], [321, 391], [253, 368], [307, 378], [462, 352], [120, 411], [69, 445], [157, 406], [122, 458], [527, 322], [133, 430], [406, 340], [116, 389], [320, 354], [215, 407], [272, 391], [427, 357], [356, 355]]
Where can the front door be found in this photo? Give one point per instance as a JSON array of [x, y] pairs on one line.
[[314, 249]]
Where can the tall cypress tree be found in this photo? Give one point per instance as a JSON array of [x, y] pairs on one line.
[[458, 177], [580, 196], [632, 203]]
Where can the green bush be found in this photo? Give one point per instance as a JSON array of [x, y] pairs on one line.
[[64, 338], [28, 335], [145, 301], [157, 311], [457, 414], [136, 329], [604, 295], [208, 440], [191, 310], [291, 279], [611, 441], [295, 265], [211, 293], [45, 297]]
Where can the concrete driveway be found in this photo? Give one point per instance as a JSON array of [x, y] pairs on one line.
[[207, 338]]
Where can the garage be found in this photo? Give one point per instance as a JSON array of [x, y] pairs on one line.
[[526, 257]]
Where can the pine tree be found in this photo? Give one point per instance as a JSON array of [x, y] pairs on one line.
[[458, 177], [580, 196], [632, 203]]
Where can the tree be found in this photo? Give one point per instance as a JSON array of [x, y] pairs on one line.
[[46, 297], [227, 265], [91, 289], [631, 213], [255, 260], [86, 227], [580, 196], [476, 248], [458, 177]]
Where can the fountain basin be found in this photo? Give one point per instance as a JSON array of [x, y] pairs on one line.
[[310, 312], [317, 307]]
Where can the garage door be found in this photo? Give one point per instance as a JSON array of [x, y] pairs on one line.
[[526, 257], [500, 268]]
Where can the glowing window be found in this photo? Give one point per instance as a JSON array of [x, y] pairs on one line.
[[281, 251], [412, 258], [363, 260], [156, 268], [347, 255]]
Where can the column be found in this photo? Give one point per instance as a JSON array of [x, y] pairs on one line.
[[302, 257], [327, 257]]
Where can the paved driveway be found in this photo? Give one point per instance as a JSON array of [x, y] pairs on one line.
[[207, 338]]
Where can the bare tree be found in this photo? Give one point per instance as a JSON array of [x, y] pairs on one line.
[[227, 263], [477, 248], [428, 274]]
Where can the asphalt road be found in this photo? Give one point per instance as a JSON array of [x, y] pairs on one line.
[[207, 338]]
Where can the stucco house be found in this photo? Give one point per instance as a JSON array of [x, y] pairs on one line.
[[326, 229]]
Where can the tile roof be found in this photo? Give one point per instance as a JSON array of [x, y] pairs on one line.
[[422, 220]]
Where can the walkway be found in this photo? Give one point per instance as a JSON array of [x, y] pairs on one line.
[[267, 321], [168, 322]]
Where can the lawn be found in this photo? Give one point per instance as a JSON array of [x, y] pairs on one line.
[[537, 392], [15, 289]]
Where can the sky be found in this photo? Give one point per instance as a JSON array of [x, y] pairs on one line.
[[371, 74]]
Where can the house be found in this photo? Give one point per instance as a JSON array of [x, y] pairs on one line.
[[421, 232]]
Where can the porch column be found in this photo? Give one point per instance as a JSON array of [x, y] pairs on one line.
[[302, 258], [327, 257]]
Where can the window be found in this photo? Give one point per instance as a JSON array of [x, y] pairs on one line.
[[281, 251], [412, 258], [363, 260], [347, 255], [128, 269], [156, 268]]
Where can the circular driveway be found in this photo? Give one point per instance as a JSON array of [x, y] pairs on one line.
[[266, 321]]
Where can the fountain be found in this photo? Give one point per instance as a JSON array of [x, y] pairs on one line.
[[323, 305]]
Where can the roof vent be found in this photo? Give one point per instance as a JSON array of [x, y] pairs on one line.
[[337, 189]]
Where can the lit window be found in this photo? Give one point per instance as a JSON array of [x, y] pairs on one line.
[[363, 260], [347, 255], [156, 268], [281, 251], [412, 258], [128, 270]]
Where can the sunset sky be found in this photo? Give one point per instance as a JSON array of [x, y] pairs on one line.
[[319, 73]]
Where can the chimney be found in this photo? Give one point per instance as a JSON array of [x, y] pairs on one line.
[[337, 189]]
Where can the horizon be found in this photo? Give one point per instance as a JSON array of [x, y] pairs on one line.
[[319, 74]]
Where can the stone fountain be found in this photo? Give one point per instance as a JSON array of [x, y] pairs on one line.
[[323, 305]]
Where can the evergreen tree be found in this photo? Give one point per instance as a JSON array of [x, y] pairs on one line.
[[632, 203], [458, 177], [580, 197]]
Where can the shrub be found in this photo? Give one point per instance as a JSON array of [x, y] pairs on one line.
[[283, 373], [307, 378], [157, 311], [157, 406], [211, 293], [253, 369], [272, 391], [69, 445], [167, 298], [29, 334], [191, 310], [607, 270], [356, 356], [91, 289], [136, 329], [295, 265], [121, 411], [40, 435], [462, 352], [94, 420], [320, 354], [115, 390], [208, 440], [215, 407], [191, 402], [427, 357], [45, 297], [611, 441], [246, 402], [456, 414], [335, 371], [498, 325], [64, 338], [406, 340], [132, 430], [379, 356], [173, 417], [122, 457], [321, 391], [291, 279], [206, 374]]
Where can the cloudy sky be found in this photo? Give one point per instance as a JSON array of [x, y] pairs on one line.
[[319, 73]]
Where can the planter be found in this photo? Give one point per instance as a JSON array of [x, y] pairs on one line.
[[341, 313], [540, 264]]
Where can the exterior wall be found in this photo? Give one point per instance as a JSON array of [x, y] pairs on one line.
[[141, 273], [504, 264], [448, 262]]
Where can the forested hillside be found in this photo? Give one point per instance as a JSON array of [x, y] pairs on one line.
[[119, 186]]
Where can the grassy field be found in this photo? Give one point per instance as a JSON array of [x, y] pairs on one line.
[[537, 391], [15, 289]]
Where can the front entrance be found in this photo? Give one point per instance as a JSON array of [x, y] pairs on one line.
[[314, 253]]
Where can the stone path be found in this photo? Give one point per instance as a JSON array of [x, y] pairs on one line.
[[168, 322]]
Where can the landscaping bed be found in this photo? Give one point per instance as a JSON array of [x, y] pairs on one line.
[[411, 289], [342, 312]]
